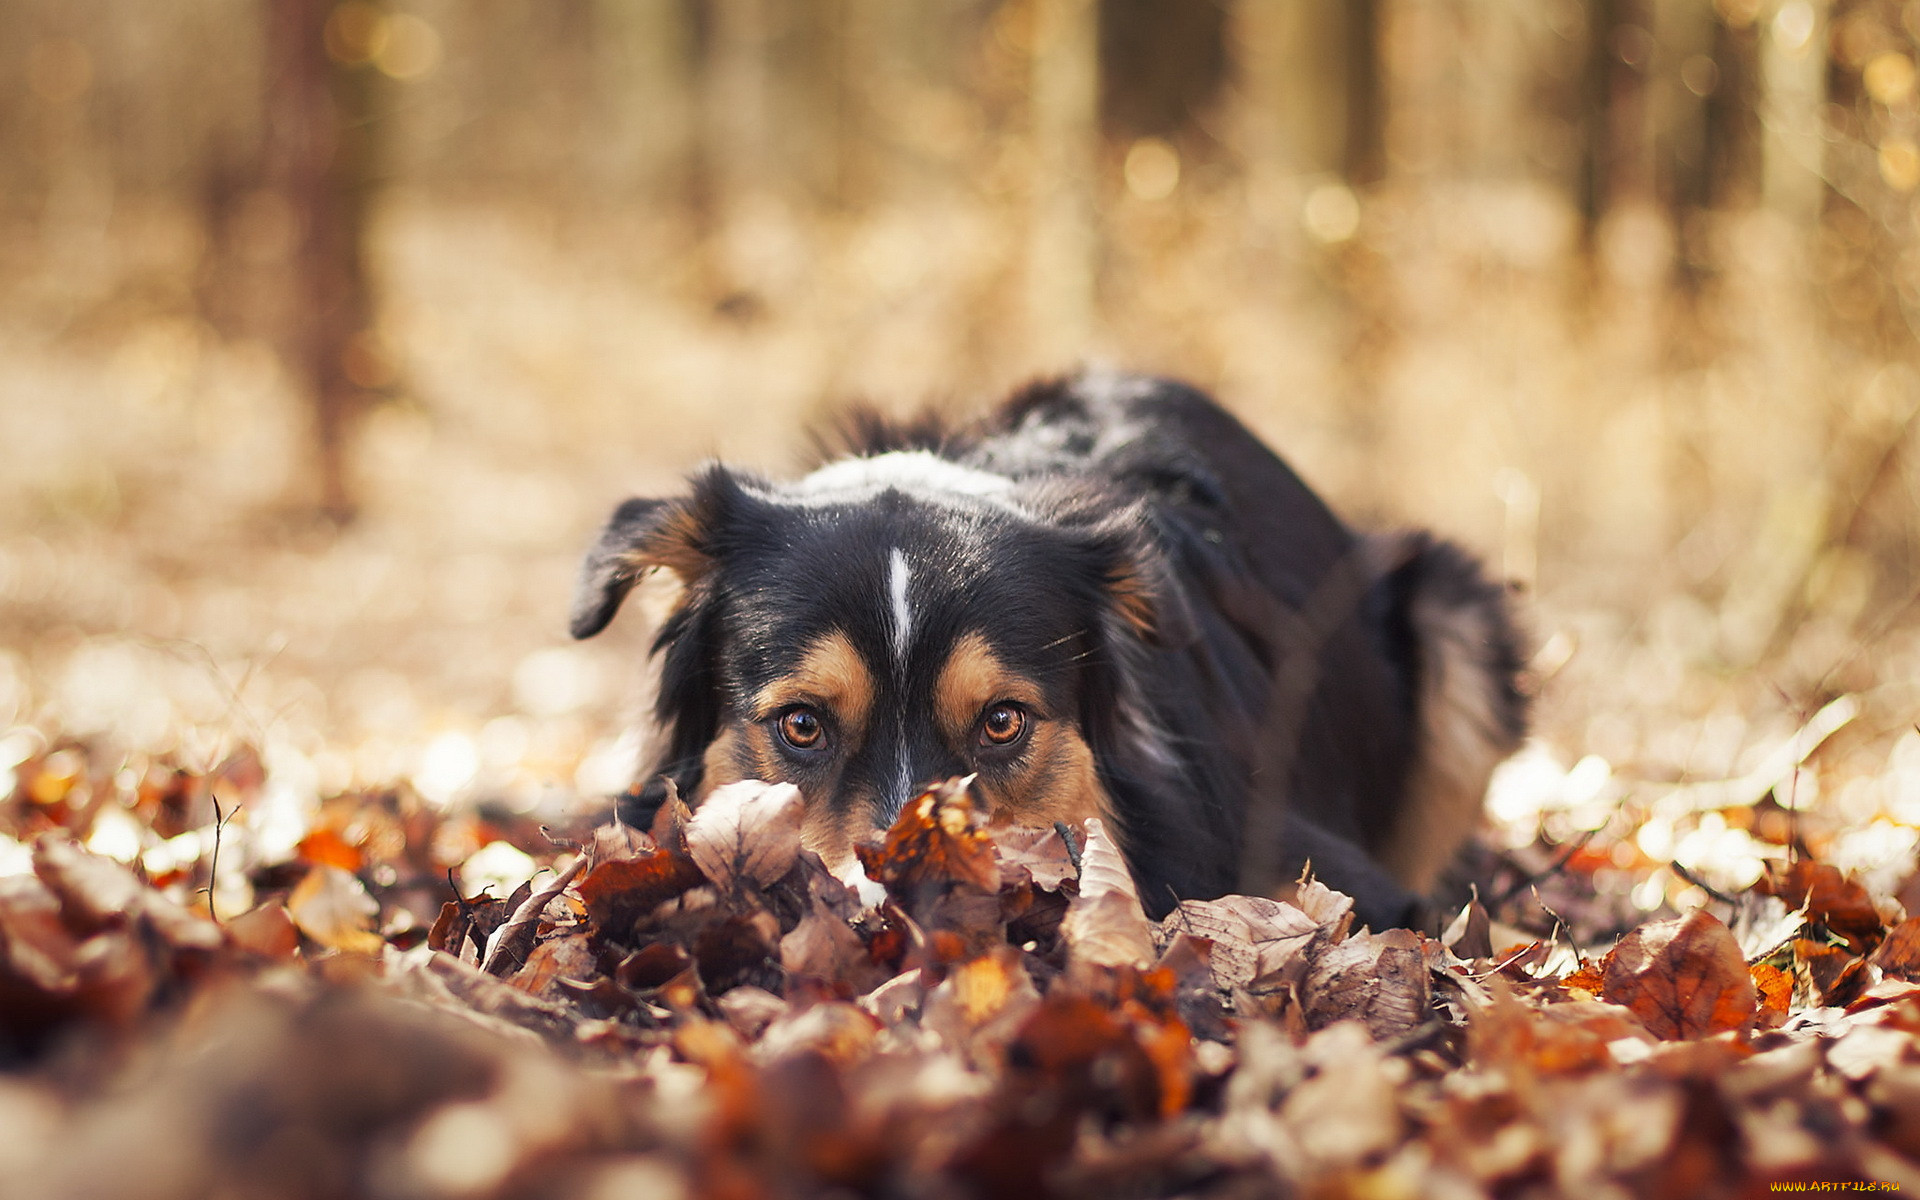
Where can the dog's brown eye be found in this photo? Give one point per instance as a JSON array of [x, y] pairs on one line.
[[802, 729], [1003, 725]]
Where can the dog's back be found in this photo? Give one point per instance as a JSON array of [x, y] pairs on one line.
[[1320, 690]]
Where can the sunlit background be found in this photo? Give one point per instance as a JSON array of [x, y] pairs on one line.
[[328, 332]]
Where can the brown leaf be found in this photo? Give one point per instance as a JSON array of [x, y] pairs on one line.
[[747, 833], [557, 958], [267, 931], [669, 830], [750, 1010], [616, 841], [1105, 925], [1834, 974], [1378, 978], [332, 907], [1830, 898], [843, 1033], [1683, 978], [1470, 936], [980, 1004], [618, 894], [1253, 938], [823, 946], [449, 928], [1036, 853], [1899, 955]]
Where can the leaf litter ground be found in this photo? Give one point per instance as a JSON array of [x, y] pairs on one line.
[[704, 1008]]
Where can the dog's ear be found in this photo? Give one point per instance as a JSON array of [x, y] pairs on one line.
[[1135, 583], [683, 535]]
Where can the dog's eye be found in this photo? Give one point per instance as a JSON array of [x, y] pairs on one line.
[[1003, 725], [802, 729]]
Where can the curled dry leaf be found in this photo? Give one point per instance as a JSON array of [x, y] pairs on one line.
[[332, 907], [823, 946], [1105, 926], [1683, 978], [620, 893], [267, 931], [747, 833], [935, 843], [1038, 854], [1830, 898], [1899, 955], [1253, 938], [1376, 978]]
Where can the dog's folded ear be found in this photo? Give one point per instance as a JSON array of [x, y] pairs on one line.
[[1135, 580], [682, 535]]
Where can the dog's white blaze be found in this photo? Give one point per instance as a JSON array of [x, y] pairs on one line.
[[900, 626], [898, 576]]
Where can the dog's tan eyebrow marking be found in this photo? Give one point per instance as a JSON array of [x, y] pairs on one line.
[[972, 678], [830, 672]]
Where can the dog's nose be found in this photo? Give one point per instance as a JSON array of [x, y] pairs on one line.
[[914, 770]]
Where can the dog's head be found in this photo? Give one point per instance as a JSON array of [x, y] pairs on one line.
[[884, 623]]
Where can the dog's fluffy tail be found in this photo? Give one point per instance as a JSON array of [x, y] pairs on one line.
[[1456, 638]]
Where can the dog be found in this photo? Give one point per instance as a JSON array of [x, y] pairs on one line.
[[1104, 598]]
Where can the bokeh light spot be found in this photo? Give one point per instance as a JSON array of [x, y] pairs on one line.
[[1889, 78], [1152, 169], [411, 49], [1331, 213], [1900, 163]]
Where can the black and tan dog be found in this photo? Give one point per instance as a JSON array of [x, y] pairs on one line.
[[1105, 598]]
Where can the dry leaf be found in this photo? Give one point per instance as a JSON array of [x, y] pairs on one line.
[[1377, 978], [1773, 989], [619, 894], [1683, 978], [1035, 854], [1899, 955], [1105, 925], [332, 907], [747, 832], [267, 931], [933, 845], [980, 1004], [1830, 898]]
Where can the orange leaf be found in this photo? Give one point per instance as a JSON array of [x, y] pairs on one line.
[[1775, 988], [326, 846], [935, 842], [619, 893], [1683, 978]]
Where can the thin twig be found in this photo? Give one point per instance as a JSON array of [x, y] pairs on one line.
[[1559, 862], [1703, 885], [220, 820]]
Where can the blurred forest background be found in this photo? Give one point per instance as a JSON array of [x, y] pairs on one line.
[[329, 331]]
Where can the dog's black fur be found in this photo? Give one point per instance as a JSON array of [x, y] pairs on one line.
[[1253, 682]]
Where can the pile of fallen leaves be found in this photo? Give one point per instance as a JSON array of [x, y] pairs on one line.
[[706, 1009]]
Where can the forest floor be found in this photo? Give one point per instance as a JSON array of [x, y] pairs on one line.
[[302, 890]]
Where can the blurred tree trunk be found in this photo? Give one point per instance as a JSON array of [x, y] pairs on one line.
[[1064, 92], [642, 55], [1793, 70], [319, 159], [1364, 155], [732, 179], [1683, 75]]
